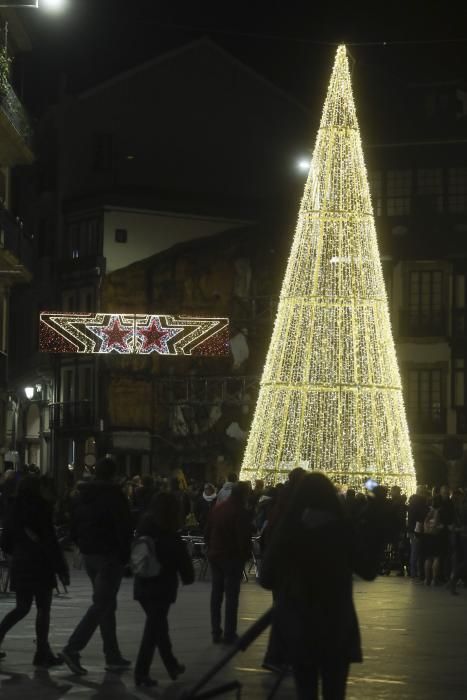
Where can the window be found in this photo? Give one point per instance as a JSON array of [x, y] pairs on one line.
[[457, 189], [86, 299], [3, 187], [459, 383], [376, 190], [73, 237], [399, 190], [3, 322], [430, 185], [69, 301], [121, 235], [68, 385], [85, 383], [459, 291], [424, 399], [83, 237], [425, 312]]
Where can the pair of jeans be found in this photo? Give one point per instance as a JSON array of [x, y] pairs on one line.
[[155, 634], [333, 674], [226, 579], [106, 574], [24, 599]]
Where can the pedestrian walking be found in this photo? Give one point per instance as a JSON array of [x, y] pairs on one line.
[[228, 538], [157, 593], [309, 564], [101, 527], [29, 538]]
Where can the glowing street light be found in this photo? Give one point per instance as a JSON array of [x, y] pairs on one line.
[[51, 5], [29, 391], [303, 164]]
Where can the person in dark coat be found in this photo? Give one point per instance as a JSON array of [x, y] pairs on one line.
[[203, 505], [228, 537], [309, 564], [29, 539], [142, 497], [101, 527], [8, 487], [157, 594]]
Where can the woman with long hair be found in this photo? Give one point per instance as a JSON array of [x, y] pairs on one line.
[[29, 539], [156, 594], [309, 564]]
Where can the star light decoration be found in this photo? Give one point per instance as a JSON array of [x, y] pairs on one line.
[[105, 333], [330, 397]]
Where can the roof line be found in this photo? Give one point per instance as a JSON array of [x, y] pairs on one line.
[[206, 41]]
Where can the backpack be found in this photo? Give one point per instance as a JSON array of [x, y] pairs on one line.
[[143, 558]]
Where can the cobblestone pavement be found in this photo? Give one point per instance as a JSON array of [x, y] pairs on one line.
[[414, 639]]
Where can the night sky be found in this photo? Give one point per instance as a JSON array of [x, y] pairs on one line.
[[289, 42]]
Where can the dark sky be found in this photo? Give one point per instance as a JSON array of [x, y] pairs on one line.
[[287, 41]]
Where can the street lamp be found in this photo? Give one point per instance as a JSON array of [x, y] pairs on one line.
[[303, 164], [52, 5], [29, 391]]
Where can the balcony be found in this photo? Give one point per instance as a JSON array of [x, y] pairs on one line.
[[423, 325], [72, 415], [15, 130], [16, 249], [426, 424]]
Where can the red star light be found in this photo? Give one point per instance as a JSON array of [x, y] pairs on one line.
[[115, 335], [154, 337]]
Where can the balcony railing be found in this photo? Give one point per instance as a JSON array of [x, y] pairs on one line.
[[72, 415], [417, 324], [16, 114], [422, 424], [206, 390]]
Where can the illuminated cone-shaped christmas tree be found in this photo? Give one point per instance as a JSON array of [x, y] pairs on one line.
[[331, 396]]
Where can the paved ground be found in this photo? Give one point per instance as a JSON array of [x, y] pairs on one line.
[[415, 642]]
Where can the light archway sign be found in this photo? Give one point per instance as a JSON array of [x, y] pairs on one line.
[[132, 334]]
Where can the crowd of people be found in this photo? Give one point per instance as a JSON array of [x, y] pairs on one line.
[[311, 539]]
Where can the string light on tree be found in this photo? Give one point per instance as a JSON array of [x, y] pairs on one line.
[[330, 396]]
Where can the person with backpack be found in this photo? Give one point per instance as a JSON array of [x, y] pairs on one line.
[[156, 582]]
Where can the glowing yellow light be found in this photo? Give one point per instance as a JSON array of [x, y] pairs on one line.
[[330, 396]]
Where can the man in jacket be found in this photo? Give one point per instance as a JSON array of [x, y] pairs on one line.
[[228, 537], [101, 527]]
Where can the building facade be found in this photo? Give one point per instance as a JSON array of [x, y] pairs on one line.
[[171, 188], [16, 240]]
